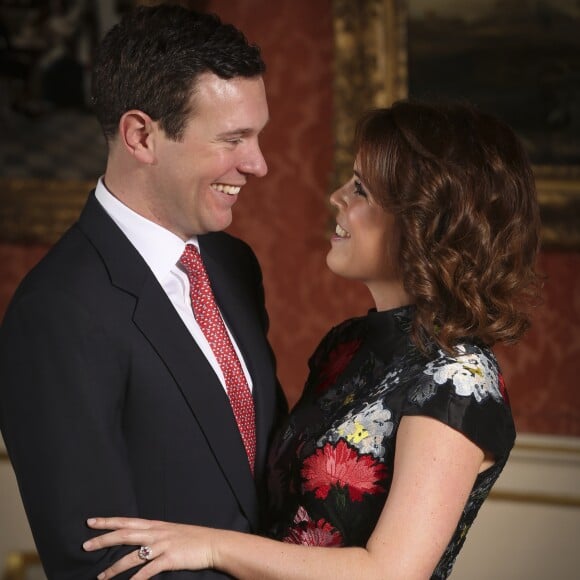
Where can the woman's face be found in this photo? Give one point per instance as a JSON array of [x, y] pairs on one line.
[[365, 244]]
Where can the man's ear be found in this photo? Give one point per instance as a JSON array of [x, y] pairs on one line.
[[137, 130]]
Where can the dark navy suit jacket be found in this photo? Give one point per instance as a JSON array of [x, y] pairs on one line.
[[108, 406]]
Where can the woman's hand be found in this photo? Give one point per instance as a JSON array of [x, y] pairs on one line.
[[163, 546]]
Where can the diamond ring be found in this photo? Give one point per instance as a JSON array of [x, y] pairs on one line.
[[145, 553]]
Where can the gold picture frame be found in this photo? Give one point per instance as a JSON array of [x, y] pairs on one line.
[[371, 70], [53, 150]]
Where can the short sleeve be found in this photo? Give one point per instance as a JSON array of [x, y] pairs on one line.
[[465, 391]]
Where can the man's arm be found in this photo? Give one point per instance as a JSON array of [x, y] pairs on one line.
[[61, 402]]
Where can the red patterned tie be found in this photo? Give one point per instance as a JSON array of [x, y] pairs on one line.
[[210, 321]]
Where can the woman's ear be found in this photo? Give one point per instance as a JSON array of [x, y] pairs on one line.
[[137, 130]]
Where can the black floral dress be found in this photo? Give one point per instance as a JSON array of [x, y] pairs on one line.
[[331, 465]]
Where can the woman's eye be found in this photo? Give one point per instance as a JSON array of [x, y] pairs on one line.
[[359, 188]]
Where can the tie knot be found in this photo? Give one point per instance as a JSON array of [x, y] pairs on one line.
[[190, 259]]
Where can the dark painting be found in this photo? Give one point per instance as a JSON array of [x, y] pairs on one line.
[[46, 49], [48, 130], [519, 59]]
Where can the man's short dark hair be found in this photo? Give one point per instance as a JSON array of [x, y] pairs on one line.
[[152, 59]]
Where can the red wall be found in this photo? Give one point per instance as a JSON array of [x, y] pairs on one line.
[[285, 217], [543, 370]]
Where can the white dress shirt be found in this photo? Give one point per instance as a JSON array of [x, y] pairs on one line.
[[161, 250]]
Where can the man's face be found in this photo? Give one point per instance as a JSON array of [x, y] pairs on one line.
[[196, 181]]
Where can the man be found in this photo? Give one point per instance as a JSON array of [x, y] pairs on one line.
[[114, 398]]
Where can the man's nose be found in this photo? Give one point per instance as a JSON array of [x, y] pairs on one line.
[[255, 164]]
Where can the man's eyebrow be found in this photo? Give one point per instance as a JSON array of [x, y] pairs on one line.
[[241, 132], [235, 133]]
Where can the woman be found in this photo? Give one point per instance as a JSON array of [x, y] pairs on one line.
[[404, 424]]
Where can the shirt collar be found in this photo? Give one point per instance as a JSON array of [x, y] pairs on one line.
[[160, 248]]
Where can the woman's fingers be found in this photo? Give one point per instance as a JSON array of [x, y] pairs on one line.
[[129, 531], [127, 562], [152, 569], [119, 537], [115, 523], [156, 564]]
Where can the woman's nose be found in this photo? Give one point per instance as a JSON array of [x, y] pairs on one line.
[[337, 197]]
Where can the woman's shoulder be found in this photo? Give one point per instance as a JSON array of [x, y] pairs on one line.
[[466, 390], [471, 371]]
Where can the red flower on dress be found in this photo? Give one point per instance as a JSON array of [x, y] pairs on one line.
[[341, 466], [503, 390], [308, 532], [336, 363]]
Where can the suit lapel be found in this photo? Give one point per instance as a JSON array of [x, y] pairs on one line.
[[161, 325]]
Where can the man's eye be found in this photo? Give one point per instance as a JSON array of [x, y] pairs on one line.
[[359, 188]]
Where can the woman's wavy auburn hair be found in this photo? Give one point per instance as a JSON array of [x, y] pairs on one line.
[[461, 187]]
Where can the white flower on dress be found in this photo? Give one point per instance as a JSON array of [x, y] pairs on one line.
[[390, 380], [363, 429], [470, 373]]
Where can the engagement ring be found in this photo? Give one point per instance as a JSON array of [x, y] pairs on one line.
[[145, 553]]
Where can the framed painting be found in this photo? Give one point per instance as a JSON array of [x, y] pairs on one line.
[[518, 60], [52, 150]]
